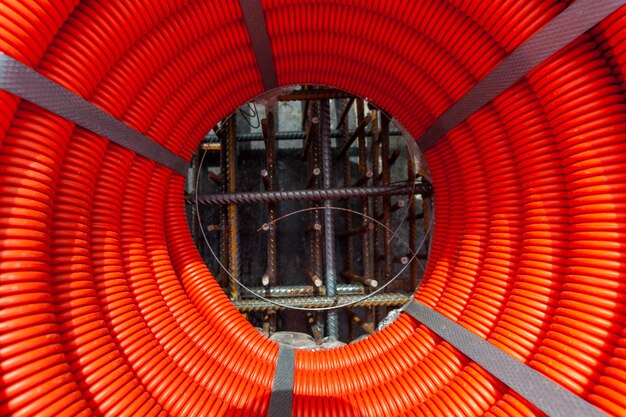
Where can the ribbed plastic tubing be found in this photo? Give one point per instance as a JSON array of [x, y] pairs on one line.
[[106, 307]]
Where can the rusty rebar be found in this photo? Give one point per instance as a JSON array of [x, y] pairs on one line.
[[224, 219], [363, 179], [285, 135], [317, 334], [377, 233], [368, 328], [369, 282], [217, 179], [364, 203], [301, 291], [384, 147], [232, 210], [342, 124], [358, 132], [317, 94], [312, 195], [344, 114], [377, 300]]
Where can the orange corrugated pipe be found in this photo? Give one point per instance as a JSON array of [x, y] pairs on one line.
[[107, 308]]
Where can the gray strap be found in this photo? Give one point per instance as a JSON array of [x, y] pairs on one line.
[[24, 82], [547, 396], [254, 16], [578, 18], [281, 401]]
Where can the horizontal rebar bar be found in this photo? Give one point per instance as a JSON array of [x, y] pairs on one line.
[[320, 94], [378, 300], [302, 291], [311, 195], [289, 135]]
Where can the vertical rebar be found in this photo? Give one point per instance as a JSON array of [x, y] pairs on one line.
[[386, 173], [269, 278], [314, 163], [414, 271], [347, 181], [224, 221], [384, 145], [329, 233], [376, 206], [232, 210], [364, 207], [270, 154], [191, 189], [362, 144]]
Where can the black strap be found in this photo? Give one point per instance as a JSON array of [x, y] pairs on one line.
[[543, 393], [558, 33], [254, 17], [24, 82], [281, 402]]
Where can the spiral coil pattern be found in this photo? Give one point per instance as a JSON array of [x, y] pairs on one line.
[[107, 308]]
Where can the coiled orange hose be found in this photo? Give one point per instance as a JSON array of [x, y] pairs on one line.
[[107, 308]]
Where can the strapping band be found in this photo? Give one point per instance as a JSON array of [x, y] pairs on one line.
[[578, 18], [254, 17], [281, 402], [547, 396], [26, 83]]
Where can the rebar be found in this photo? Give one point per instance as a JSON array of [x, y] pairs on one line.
[[377, 233], [384, 146], [312, 195], [412, 220], [270, 151], [285, 135], [329, 234], [191, 187], [368, 328], [378, 300], [316, 280], [342, 124], [364, 179], [344, 114], [376, 204], [311, 133], [317, 334], [363, 279], [317, 94], [358, 132], [316, 238], [217, 180], [224, 220], [302, 291], [315, 174], [364, 203], [232, 210]]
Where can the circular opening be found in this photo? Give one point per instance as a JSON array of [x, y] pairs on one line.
[[313, 210]]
